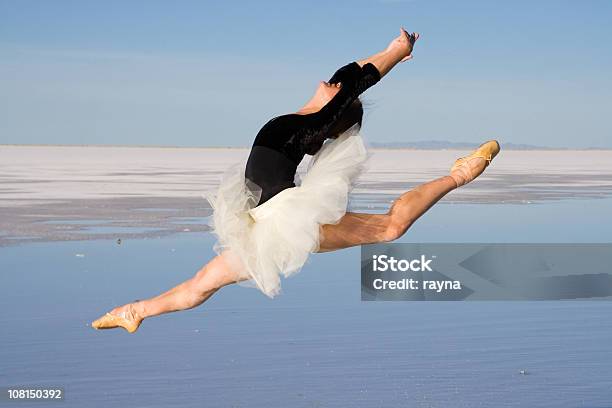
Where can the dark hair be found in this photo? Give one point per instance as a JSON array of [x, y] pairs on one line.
[[353, 115]]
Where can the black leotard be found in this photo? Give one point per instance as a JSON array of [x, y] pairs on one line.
[[282, 142]]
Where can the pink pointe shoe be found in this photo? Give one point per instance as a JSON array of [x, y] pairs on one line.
[[128, 319], [469, 167]]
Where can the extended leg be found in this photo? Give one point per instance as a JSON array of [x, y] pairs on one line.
[[358, 228], [189, 294], [192, 292]]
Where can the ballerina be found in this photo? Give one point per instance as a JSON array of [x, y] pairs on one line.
[[267, 222]]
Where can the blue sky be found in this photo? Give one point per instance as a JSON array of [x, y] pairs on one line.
[[212, 73]]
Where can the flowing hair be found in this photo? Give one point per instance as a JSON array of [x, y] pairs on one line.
[[353, 115]]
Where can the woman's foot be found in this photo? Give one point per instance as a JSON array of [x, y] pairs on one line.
[[469, 167], [124, 316]]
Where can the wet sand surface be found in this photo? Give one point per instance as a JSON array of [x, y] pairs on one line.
[[64, 193]]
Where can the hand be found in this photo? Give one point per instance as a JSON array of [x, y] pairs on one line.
[[404, 44]]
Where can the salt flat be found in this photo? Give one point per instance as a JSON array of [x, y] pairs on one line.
[[242, 349], [161, 189]]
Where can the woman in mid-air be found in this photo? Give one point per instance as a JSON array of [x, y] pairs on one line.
[[268, 222]]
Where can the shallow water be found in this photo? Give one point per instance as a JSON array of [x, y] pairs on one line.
[[75, 242], [317, 344]]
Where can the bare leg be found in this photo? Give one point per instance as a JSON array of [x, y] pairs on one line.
[[191, 293], [358, 228]]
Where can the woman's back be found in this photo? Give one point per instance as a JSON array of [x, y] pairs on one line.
[[282, 142]]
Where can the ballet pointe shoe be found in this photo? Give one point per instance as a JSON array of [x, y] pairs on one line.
[[469, 167], [128, 319]]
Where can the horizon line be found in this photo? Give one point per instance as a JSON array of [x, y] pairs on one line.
[[517, 146]]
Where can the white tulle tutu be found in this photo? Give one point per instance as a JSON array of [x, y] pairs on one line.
[[277, 237]]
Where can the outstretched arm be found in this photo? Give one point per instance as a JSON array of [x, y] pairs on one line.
[[355, 78], [398, 50], [360, 75]]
